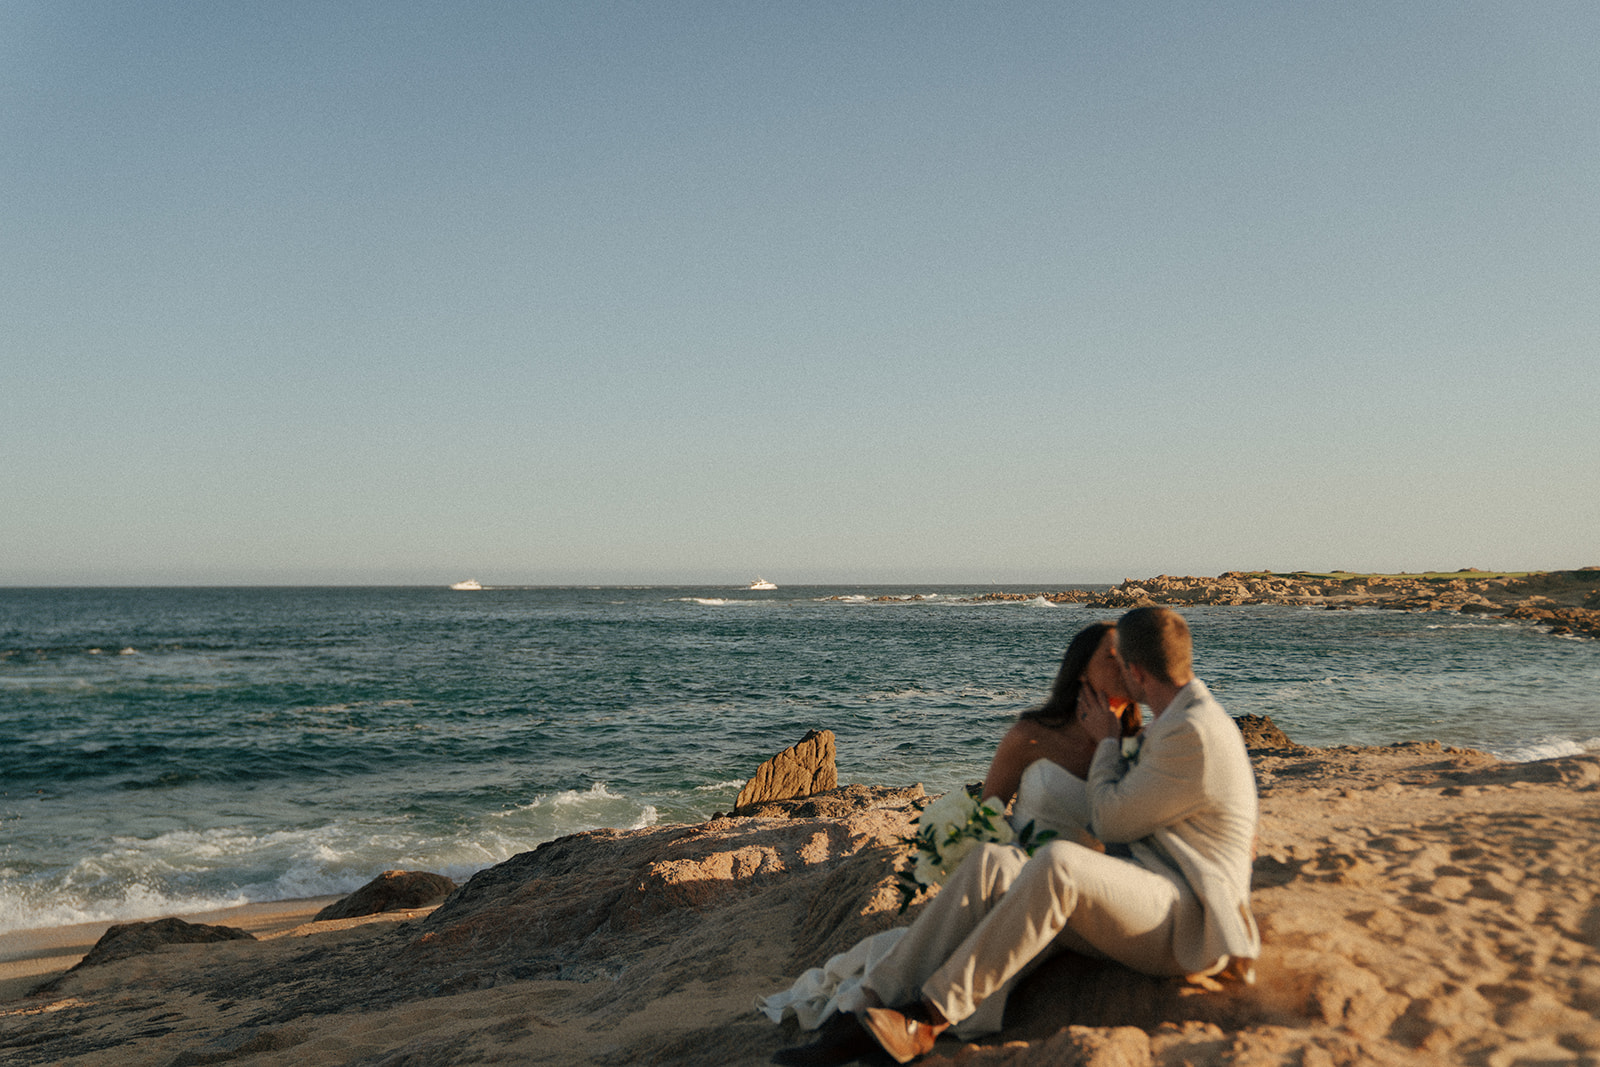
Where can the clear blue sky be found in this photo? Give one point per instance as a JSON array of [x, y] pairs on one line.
[[587, 292]]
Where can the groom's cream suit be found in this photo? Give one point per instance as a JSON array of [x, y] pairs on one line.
[[1185, 807]]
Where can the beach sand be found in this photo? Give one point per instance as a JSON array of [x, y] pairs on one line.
[[1418, 905]]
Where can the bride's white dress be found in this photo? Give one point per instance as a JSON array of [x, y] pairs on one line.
[[1049, 796], [1054, 799]]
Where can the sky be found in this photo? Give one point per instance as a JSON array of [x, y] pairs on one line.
[[1022, 294]]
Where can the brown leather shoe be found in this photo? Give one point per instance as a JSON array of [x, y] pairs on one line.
[[901, 1037]]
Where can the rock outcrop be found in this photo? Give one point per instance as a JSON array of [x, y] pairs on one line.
[[126, 940], [390, 891], [1262, 734], [1060, 596], [134, 939], [574, 906], [798, 771], [836, 803], [1567, 602]]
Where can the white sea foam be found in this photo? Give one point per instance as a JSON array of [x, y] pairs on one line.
[[573, 810], [188, 871], [24, 907], [964, 696], [1547, 748], [719, 787]]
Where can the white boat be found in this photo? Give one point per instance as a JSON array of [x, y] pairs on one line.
[[762, 583], [470, 583]]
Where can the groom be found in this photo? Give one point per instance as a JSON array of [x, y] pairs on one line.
[[1184, 804]]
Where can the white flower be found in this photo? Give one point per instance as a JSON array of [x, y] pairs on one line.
[[1002, 834], [951, 856], [950, 828], [947, 815]]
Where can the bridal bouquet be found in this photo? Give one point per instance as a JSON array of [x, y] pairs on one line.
[[951, 827]]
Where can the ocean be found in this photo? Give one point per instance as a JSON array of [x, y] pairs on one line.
[[175, 750]]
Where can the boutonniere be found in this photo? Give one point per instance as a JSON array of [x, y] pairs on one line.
[[1130, 748]]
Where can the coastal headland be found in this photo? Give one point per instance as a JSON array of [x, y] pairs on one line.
[[1419, 904], [1567, 602]]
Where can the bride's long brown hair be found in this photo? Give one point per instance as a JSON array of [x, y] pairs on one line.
[[1062, 707]]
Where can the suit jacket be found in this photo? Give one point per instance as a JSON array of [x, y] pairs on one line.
[[1186, 805]]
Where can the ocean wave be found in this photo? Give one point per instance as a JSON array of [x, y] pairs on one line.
[[721, 787], [47, 684], [574, 810], [36, 908], [189, 871], [962, 696], [1547, 748]]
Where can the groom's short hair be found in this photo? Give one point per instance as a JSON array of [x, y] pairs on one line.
[[1156, 639]]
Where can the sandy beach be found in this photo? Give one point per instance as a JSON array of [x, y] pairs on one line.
[[1418, 904]]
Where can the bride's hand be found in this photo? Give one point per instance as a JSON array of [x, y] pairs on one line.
[[1096, 715]]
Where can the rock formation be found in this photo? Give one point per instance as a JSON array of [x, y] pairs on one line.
[[390, 891], [125, 940], [1261, 733], [133, 939], [1567, 602], [797, 771]]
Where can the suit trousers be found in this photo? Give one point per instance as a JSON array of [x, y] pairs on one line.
[[1001, 913]]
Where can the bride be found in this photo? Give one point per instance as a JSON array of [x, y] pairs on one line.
[[1041, 766]]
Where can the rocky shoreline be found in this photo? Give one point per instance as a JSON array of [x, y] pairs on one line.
[[1419, 904], [1565, 602]]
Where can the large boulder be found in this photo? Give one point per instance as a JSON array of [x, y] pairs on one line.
[[1260, 732], [798, 771], [134, 939], [666, 905], [390, 891], [123, 940]]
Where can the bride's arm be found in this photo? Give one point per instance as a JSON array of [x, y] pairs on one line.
[[1018, 748]]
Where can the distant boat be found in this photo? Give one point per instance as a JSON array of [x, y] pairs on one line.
[[470, 583], [762, 583]]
